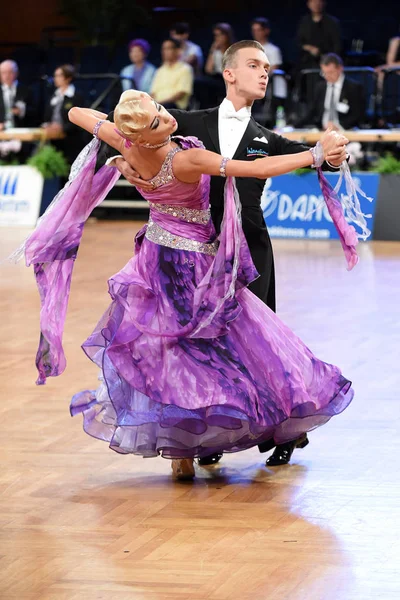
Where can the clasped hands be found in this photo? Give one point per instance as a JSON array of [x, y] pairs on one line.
[[334, 147]]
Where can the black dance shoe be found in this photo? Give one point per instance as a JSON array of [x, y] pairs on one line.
[[283, 452], [206, 461]]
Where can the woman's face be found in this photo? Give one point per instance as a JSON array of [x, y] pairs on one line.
[[136, 55], [60, 81], [220, 38], [160, 123]]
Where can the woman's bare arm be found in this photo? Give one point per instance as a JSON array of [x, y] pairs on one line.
[[392, 51], [86, 118], [190, 165]]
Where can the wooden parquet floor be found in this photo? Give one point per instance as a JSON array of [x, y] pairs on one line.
[[79, 522]]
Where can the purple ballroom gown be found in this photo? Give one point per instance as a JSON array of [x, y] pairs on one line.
[[192, 362]]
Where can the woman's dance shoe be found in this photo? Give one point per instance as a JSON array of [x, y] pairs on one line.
[[183, 469]]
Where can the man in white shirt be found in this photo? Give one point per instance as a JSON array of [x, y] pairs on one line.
[[261, 31], [338, 102], [191, 53]]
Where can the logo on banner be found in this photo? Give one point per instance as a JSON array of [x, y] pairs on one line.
[[8, 184], [9, 201], [21, 189]]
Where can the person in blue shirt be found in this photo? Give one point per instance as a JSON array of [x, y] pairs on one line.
[[139, 74]]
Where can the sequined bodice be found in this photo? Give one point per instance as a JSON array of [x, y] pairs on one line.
[[167, 190], [165, 174], [180, 214]]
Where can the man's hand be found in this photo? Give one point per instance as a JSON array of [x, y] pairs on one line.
[[131, 175], [333, 142], [336, 157]]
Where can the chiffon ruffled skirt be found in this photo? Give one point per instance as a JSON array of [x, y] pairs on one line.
[[169, 387]]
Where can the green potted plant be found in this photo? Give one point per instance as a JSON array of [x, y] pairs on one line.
[[387, 221], [53, 166], [387, 164]]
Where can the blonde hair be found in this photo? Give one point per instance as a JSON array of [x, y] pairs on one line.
[[129, 117]]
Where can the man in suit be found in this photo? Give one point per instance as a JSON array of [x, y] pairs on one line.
[[338, 101], [231, 131], [16, 101]]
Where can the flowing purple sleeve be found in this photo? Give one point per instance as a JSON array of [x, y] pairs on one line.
[[52, 249]]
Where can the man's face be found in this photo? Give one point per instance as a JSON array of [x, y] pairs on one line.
[[7, 73], [249, 74], [169, 52], [259, 33], [316, 6], [332, 72]]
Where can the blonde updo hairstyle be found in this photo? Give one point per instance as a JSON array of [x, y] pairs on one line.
[[129, 117]]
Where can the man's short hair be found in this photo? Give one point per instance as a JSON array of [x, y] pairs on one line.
[[229, 57], [263, 21], [176, 43], [331, 59], [181, 28]]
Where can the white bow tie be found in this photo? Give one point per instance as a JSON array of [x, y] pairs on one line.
[[230, 113]]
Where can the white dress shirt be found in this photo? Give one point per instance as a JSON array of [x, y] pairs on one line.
[[336, 89], [9, 93], [57, 102], [231, 126]]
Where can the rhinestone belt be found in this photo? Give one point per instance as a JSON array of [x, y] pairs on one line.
[[161, 236]]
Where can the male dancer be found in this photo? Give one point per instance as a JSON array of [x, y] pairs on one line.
[[231, 131]]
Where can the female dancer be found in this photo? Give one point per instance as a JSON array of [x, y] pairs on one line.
[[192, 362]]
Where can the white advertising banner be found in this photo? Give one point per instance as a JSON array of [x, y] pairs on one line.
[[21, 190]]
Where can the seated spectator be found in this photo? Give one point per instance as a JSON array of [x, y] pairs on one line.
[[317, 34], [138, 75], [191, 53], [173, 81], [261, 30], [223, 38], [338, 102], [56, 114], [16, 100]]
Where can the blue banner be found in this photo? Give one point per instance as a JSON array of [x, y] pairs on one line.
[[294, 207]]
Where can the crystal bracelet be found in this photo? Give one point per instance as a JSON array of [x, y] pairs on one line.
[[222, 169], [318, 155], [97, 127]]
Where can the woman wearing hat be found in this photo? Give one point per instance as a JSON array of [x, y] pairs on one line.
[[138, 75]]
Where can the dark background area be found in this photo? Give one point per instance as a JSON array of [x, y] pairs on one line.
[[23, 21]]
